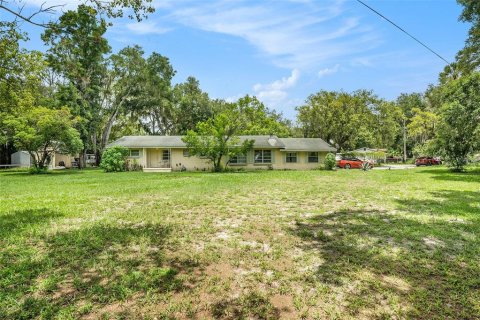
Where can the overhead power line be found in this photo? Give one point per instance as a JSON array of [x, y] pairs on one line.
[[404, 31]]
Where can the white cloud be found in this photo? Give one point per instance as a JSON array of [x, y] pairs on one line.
[[327, 71], [146, 27], [275, 92], [162, 4], [272, 96], [234, 98], [281, 84], [301, 35]]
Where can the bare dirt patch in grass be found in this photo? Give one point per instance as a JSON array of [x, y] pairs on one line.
[[317, 245]]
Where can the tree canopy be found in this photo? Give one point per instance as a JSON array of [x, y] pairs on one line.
[[459, 131], [349, 120], [218, 137], [42, 132], [135, 9], [108, 95]]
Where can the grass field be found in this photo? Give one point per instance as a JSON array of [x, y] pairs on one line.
[[262, 245]]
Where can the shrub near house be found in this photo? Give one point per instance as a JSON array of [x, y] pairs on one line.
[[329, 162], [114, 159]]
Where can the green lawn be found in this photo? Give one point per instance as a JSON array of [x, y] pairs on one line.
[[311, 244]]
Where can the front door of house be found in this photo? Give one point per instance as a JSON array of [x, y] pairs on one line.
[[154, 158], [158, 158]]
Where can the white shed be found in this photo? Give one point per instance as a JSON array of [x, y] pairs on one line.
[[21, 159]]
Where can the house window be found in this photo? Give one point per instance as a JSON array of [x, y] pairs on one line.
[[186, 153], [239, 159], [313, 157], [134, 153], [263, 156], [291, 157], [166, 155]]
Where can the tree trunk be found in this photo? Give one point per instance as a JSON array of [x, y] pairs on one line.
[[43, 162], [98, 158], [94, 142], [217, 165], [5, 153], [106, 136], [33, 158], [81, 159]]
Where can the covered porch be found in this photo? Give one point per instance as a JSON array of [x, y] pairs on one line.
[[157, 160]]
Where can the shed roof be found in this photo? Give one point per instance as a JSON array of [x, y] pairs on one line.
[[306, 144]]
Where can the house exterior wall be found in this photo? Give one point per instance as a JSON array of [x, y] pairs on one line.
[[141, 159], [150, 158], [66, 158], [302, 161], [192, 163], [155, 158], [279, 161]]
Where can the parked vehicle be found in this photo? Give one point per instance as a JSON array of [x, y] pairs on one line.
[[353, 163], [392, 159], [427, 161]]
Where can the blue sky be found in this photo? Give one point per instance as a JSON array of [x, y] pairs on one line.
[[283, 51]]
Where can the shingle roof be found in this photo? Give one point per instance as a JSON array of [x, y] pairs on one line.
[[149, 142], [176, 141], [264, 141], [288, 144], [306, 144]]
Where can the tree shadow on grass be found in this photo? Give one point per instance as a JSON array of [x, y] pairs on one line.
[[19, 221], [248, 306], [461, 204], [443, 174], [88, 270], [428, 266], [55, 173]]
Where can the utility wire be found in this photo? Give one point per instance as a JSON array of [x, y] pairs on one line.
[[404, 31]]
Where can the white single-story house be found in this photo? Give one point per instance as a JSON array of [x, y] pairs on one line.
[[167, 153]]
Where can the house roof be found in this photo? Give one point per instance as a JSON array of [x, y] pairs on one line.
[[306, 144], [149, 142], [266, 141], [176, 141]]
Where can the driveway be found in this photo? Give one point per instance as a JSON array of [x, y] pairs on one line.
[[395, 167]]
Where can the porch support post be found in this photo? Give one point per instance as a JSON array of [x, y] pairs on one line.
[[144, 158]]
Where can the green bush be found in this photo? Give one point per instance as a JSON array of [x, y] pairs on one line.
[[36, 170], [329, 163], [114, 159]]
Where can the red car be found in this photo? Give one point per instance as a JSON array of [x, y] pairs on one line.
[[352, 163], [427, 161]]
